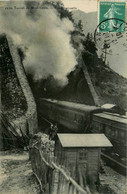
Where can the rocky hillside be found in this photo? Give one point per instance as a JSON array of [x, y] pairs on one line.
[[13, 100], [117, 58], [110, 86]]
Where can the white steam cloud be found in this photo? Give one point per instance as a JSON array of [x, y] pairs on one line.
[[43, 36]]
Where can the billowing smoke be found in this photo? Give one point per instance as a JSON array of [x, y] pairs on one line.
[[43, 36]]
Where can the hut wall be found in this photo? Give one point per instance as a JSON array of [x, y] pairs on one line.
[[93, 163]]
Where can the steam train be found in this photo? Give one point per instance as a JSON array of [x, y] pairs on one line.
[[72, 116], [80, 118]]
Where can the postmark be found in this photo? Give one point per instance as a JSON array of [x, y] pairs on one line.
[[111, 16], [111, 41]]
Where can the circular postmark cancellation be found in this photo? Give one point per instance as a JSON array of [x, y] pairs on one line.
[[111, 32], [113, 38]]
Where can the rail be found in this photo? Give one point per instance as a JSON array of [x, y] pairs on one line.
[[116, 115], [120, 164]]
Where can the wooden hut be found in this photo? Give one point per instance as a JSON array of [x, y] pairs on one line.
[[80, 153]]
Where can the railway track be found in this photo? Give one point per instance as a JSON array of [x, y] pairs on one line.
[[115, 164]]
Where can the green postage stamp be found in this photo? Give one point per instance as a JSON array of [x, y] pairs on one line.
[[112, 16]]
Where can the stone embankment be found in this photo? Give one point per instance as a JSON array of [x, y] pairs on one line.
[[18, 104]]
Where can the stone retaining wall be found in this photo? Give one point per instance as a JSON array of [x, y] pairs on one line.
[[28, 122]]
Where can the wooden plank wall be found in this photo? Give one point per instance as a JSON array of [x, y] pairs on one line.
[[53, 179], [93, 164]]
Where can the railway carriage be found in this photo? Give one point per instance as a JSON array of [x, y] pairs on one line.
[[77, 117], [73, 116], [114, 127], [80, 118]]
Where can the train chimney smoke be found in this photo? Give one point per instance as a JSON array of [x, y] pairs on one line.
[[43, 36]]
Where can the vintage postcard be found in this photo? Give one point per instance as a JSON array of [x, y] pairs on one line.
[[63, 90]]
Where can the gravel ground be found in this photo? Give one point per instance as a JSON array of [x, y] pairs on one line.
[[16, 174], [16, 177], [116, 183]]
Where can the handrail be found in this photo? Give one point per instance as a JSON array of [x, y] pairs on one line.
[[45, 160], [67, 177], [60, 170]]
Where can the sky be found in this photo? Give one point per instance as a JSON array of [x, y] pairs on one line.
[[83, 5]]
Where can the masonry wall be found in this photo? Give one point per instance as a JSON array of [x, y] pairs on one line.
[[27, 122]]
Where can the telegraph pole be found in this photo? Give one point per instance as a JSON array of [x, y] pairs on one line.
[[105, 47], [105, 55], [105, 51]]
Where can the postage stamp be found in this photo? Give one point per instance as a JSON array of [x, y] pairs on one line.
[[112, 16]]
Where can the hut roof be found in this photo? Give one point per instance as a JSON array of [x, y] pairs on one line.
[[83, 140]]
